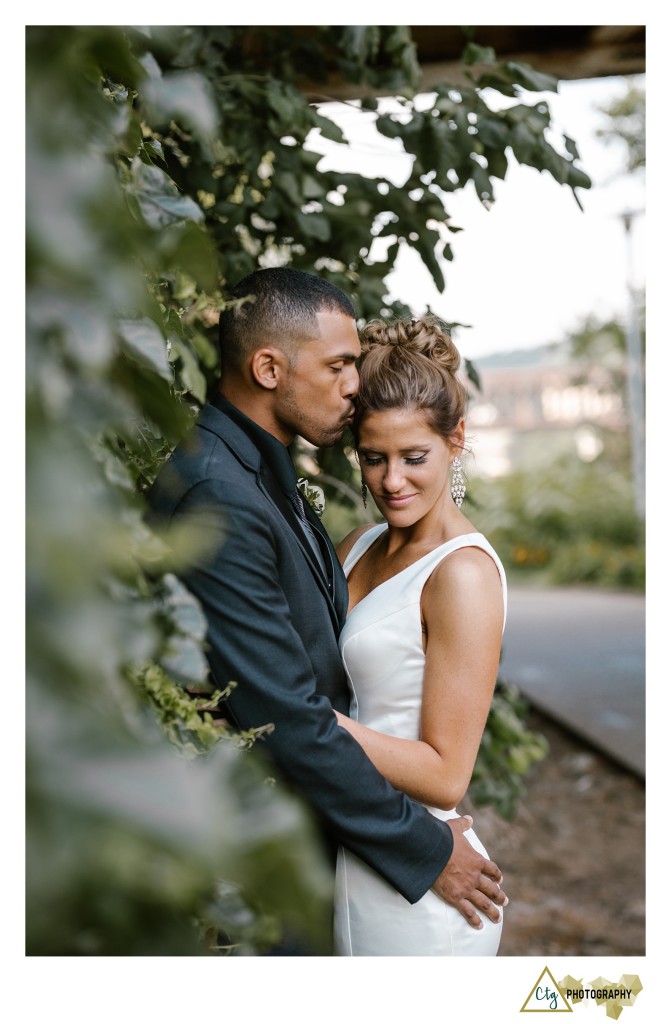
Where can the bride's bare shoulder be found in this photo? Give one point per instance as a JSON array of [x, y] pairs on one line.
[[348, 542]]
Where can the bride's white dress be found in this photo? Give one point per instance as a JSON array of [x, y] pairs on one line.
[[381, 646]]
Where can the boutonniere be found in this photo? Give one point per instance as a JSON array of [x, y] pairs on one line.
[[313, 495]]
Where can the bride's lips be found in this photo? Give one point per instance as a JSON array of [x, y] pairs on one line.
[[397, 501]]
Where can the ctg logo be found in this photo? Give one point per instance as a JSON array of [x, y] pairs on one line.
[[549, 996], [545, 996]]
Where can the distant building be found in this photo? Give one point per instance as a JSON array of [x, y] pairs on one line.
[[527, 396]]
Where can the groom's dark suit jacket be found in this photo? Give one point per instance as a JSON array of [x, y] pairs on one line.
[[273, 626]]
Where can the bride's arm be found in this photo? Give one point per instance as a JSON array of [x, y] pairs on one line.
[[462, 610]]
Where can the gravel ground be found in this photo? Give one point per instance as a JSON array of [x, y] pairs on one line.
[[573, 860]]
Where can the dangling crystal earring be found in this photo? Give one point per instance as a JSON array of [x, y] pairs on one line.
[[458, 487], [364, 493]]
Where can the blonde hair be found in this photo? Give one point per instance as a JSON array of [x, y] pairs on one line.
[[411, 364]]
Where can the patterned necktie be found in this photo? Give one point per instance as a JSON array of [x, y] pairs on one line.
[[308, 530]]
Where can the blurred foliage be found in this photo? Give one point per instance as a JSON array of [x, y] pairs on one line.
[[164, 164], [569, 522], [603, 344], [596, 341], [506, 754], [624, 123], [560, 519]]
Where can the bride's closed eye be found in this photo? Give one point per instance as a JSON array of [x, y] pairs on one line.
[[372, 460]]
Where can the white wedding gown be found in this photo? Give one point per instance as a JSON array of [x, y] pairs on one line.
[[381, 646]]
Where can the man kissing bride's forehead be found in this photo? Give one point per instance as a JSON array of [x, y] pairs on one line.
[[312, 656]]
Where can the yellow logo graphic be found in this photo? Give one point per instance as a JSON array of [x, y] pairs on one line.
[[614, 995], [550, 996], [546, 996]]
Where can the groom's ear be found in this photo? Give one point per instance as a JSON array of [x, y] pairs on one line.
[[266, 366]]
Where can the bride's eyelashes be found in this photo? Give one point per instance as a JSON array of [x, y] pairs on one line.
[[371, 460]]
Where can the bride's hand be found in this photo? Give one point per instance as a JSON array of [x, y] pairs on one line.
[[469, 882]]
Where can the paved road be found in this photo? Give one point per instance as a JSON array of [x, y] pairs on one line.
[[579, 656]]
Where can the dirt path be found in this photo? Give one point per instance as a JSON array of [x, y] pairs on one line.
[[574, 858]]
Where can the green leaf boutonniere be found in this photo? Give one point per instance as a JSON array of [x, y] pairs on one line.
[[313, 494]]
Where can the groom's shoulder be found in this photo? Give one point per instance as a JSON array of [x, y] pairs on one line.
[[215, 445], [214, 454]]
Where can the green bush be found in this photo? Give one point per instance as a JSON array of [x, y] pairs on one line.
[[506, 754], [570, 523]]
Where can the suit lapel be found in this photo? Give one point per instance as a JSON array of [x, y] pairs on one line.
[[216, 421], [340, 594], [273, 491]]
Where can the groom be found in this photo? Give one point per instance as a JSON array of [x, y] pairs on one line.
[[272, 589]]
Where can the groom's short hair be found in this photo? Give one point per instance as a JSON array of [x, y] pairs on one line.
[[277, 306]]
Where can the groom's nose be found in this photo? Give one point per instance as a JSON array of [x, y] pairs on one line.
[[350, 381]]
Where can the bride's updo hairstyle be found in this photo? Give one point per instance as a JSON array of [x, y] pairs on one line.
[[411, 364]]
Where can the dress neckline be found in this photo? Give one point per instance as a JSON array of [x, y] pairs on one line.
[[417, 561]]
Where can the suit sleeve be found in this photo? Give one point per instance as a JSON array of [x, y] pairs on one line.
[[254, 643]]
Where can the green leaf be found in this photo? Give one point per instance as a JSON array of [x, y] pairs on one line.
[[497, 162], [577, 178], [131, 139], [154, 149], [482, 182], [488, 80], [159, 199], [190, 374], [286, 181], [314, 225], [185, 661], [571, 147], [190, 248], [186, 97], [524, 75], [143, 340], [207, 351], [389, 127], [493, 132], [312, 188], [288, 106], [523, 144], [84, 330], [472, 374], [474, 54], [538, 118], [329, 129], [425, 246], [392, 253], [359, 41]]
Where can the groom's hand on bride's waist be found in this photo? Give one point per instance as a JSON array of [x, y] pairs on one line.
[[469, 881]]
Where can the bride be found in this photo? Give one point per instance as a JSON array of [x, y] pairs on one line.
[[422, 639]]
